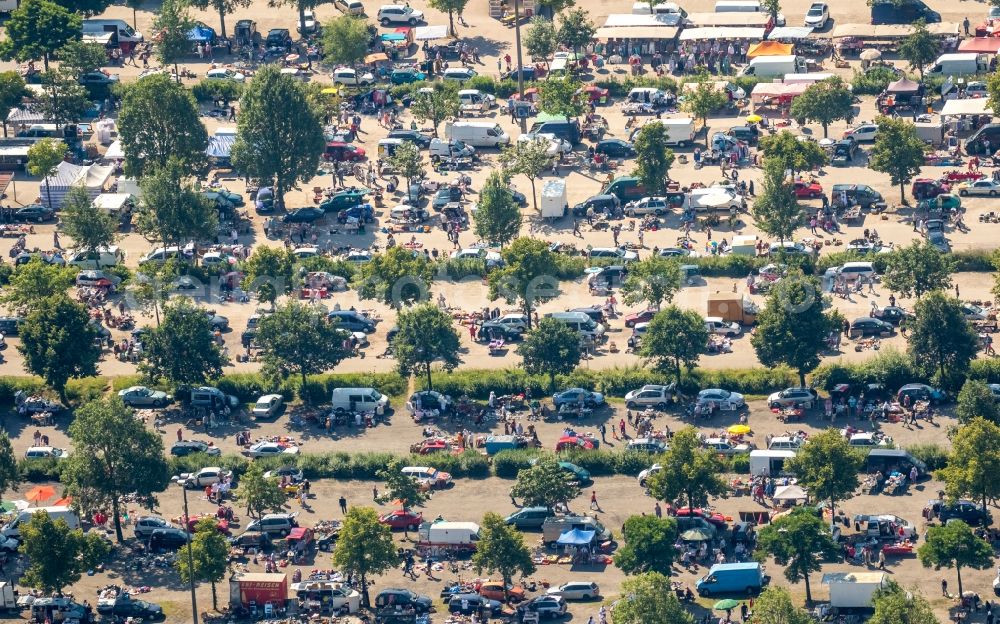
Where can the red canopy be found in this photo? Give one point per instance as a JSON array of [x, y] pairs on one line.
[[989, 45]]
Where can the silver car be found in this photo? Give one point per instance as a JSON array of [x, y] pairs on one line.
[[576, 590], [651, 395], [141, 396]]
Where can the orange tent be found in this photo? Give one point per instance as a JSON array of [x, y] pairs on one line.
[[40, 493], [770, 48]]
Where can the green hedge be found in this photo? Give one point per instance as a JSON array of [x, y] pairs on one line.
[[459, 268], [934, 455], [974, 261], [890, 367], [211, 89], [39, 470], [620, 88], [738, 266], [872, 81]]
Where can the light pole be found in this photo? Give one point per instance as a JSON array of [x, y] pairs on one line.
[[520, 67], [194, 599]]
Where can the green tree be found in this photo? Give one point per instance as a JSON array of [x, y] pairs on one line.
[[58, 556], [920, 47], [776, 211], [395, 277], [37, 28], [13, 90], [529, 159], [954, 545], [824, 102], [689, 471], [407, 162], [799, 542], [273, 266], [774, 606], [451, 7], [895, 606], [114, 456], [223, 8], [172, 25], [172, 210], [556, 6], [654, 280], [649, 598], [279, 138], [976, 400], [973, 461], [497, 220], [365, 547], [259, 493], [544, 485], [182, 350], [298, 338], [159, 122], [87, 8], [345, 40], [10, 476], [675, 338], [209, 557], [399, 486], [501, 549], [426, 335], [576, 30], [540, 38], [773, 7], [43, 159], [703, 100], [58, 342], [526, 276], [300, 5], [792, 328], [551, 348], [90, 227], [898, 152], [649, 545], [33, 283], [827, 467], [62, 100], [562, 97], [917, 269], [941, 339], [793, 154], [77, 58], [436, 105], [653, 158]]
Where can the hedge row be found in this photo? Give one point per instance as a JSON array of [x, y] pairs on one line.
[[964, 261]]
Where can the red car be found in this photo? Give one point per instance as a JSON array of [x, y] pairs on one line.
[[220, 524], [573, 442], [339, 151], [402, 519], [631, 320], [714, 518], [808, 189], [596, 94]]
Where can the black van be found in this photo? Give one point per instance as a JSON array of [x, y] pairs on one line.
[[565, 128], [352, 321], [168, 539], [975, 144], [903, 13], [889, 460], [600, 203]]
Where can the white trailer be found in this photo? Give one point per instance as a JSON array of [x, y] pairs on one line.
[[930, 132], [554, 204], [769, 463], [775, 66], [854, 590]]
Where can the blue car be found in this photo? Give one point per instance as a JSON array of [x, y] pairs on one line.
[[406, 75], [572, 396]]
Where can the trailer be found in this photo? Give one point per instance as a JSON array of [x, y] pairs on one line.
[[554, 203], [258, 589], [854, 590]]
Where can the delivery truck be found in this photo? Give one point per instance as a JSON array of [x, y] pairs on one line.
[[732, 308], [448, 536], [258, 588], [853, 590], [764, 66]]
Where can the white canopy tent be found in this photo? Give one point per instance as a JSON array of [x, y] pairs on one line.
[[968, 106], [789, 493], [430, 33], [115, 151], [632, 20], [722, 32], [605, 33], [789, 32], [93, 178], [113, 202]]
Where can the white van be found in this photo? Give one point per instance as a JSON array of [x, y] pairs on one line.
[[583, 324], [960, 63], [663, 8], [477, 133], [428, 477], [853, 270], [97, 259], [764, 66], [12, 529], [451, 149], [738, 6], [125, 32], [769, 463], [358, 400], [680, 131]]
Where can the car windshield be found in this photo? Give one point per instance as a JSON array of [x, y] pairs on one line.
[[816, 11]]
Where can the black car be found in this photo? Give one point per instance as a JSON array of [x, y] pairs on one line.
[[395, 597], [519, 198], [420, 139], [528, 73], [467, 604], [615, 148], [303, 215], [870, 327], [352, 321], [9, 325], [168, 539], [600, 203], [278, 38], [34, 212], [748, 134], [187, 447], [968, 512], [892, 314], [491, 330], [124, 607]]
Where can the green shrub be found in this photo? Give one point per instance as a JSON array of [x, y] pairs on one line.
[[125, 381], [39, 470], [247, 387], [740, 464], [569, 267], [872, 81], [79, 391], [459, 268], [333, 266], [478, 384], [502, 89], [987, 370], [212, 89], [934, 455], [6, 270], [9, 386], [973, 260], [197, 461], [889, 367], [743, 380], [506, 464], [620, 88]]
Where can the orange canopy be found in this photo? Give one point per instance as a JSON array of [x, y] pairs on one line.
[[40, 493], [770, 48]]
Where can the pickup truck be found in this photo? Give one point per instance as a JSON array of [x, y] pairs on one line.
[[123, 606]]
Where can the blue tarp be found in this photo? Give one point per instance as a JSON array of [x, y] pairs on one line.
[[576, 537], [220, 146], [201, 34]]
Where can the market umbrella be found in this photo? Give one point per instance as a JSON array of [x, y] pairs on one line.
[[726, 605], [696, 535], [40, 493], [739, 429], [870, 55], [291, 58], [755, 118], [330, 91]]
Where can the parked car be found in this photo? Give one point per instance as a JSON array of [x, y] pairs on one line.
[[576, 590], [458, 74], [715, 325], [651, 395], [808, 190], [141, 396], [182, 448], [399, 14], [145, 525], [647, 473], [420, 139], [615, 148], [467, 604], [529, 517], [495, 590], [34, 212], [45, 452], [727, 447], [406, 75], [868, 326], [817, 15], [573, 396], [206, 476], [985, 187], [790, 397], [546, 606], [402, 519], [863, 132], [646, 445], [631, 320], [967, 511], [721, 398], [292, 472], [98, 78], [98, 279], [275, 524], [124, 606], [308, 214], [613, 253], [393, 597], [268, 406], [921, 392], [270, 449]]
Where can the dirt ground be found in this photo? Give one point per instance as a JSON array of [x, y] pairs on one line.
[[468, 500]]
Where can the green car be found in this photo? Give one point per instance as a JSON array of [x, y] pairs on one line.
[[406, 75], [343, 200]]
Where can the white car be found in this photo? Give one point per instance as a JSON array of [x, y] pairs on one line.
[[817, 15], [725, 447], [518, 322], [648, 205], [785, 443], [869, 440], [351, 7], [225, 73], [986, 187], [647, 473], [46, 452], [492, 258], [399, 14], [308, 23], [556, 145], [270, 449], [458, 74], [268, 406], [576, 590], [863, 132], [723, 399], [715, 325], [350, 77], [614, 253], [976, 89]]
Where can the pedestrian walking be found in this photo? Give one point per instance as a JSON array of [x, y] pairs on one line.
[[593, 501], [604, 433], [343, 505], [944, 587], [658, 510], [881, 559]]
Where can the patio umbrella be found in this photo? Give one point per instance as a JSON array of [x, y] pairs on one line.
[[726, 605], [755, 118], [696, 535], [291, 58], [870, 55], [739, 429], [40, 493], [330, 91]]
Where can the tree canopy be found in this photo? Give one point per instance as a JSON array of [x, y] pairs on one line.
[[497, 220], [540, 38], [181, 349], [793, 154], [436, 105], [529, 159], [37, 28], [827, 467], [172, 210], [209, 557], [32, 284], [395, 277], [894, 606], [501, 549], [365, 547], [689, 472], [977, 399], [649, 598], [653, 280], [527, 275], [260, 494], [90, 227], [43, 158], [58, 342], [399, 486], [576, 30], [703, 100], [58, 555], [10, 476], [78, 57], [562, 97], [451, 7], [675, 338], [551, 348], [269, 272], [298, 338], [653, 158], [916, 269], [345, 40], [824, 102], [776, 210], [544, 485], [172, 25], [799, 541], [973, 461], [941, 339], [898, 152], [426, 335], [649, 545], [954, 545], [13, 90], [223, 8], [407, 162], [920, 47], [774, 606]]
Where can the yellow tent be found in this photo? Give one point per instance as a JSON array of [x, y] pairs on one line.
[[769, 48]]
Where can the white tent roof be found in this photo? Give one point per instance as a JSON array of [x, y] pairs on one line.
[[429, 33], [635, 32], [790, 32], [789, 492], [115, 151], [968, 106], [632, 20], [112, 202], [722, 32]]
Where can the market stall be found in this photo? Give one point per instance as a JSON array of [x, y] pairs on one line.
[[770, 48], [723, 33], [776, 93], [789, 33], [988, 45], [708, 20], [429, 33], [93, 178]]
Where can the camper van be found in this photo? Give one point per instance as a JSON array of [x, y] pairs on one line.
[[357, 400], [769, 463], [960, 63], [12, 529], [763, 66]]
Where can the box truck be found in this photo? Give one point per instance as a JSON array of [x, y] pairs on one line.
[[258, 588], [775, 66], [554, 203], [929, 132], [449, 535], [734, 307], [853, 590], [769, 463]]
